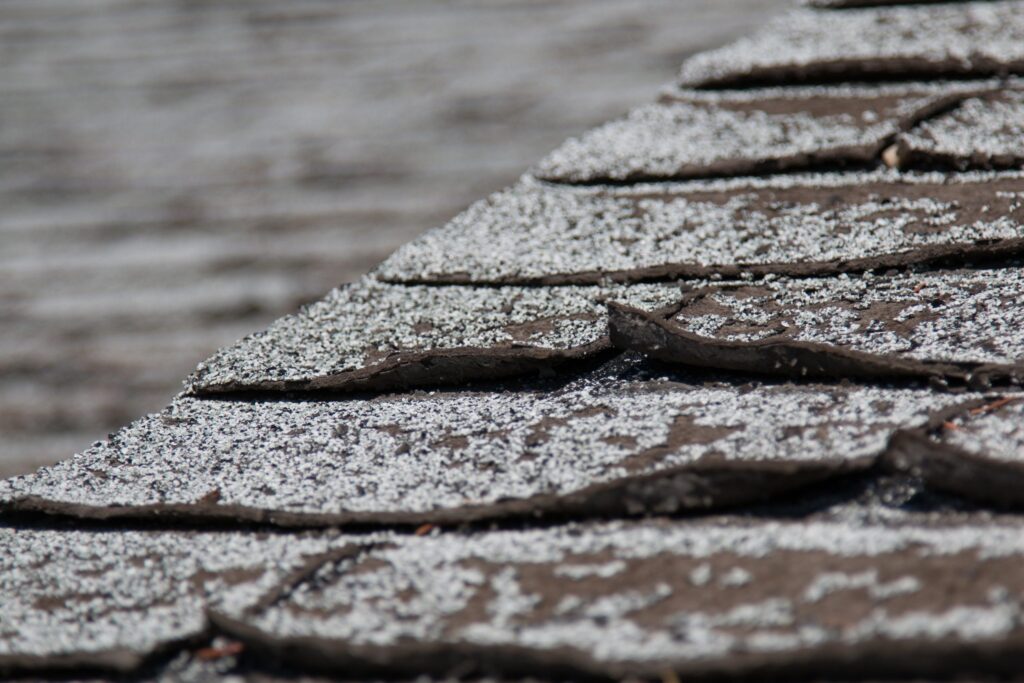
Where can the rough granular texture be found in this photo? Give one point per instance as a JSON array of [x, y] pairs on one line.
[[109, 598], [969, 318], [982, 133], [372, 335], [599, 445], [814, 46], [693, 137], [636, 599], [537, 233]]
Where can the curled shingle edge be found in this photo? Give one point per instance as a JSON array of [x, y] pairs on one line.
[[636, 330], [950, 469]]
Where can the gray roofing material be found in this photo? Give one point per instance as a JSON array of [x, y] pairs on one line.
[[968, 39], [983, 132], [692, 135], [535, 233], [697, 598], [622, 440], [372, 335], [961, 325], [976, 451], [111, 598]]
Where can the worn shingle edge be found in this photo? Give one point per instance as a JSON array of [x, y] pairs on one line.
[[695, 487], [634, 329], [945, 467]]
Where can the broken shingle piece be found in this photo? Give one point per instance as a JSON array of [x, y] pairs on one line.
[[617, 441], [694, 135], [754, 599], [969, 39], [535, 233], [976, 451], [960, 325], [372, 335], [110, 598], [984, 132]]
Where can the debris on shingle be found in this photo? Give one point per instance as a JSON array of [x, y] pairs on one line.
[[984, 132], [110, 598], [639, 599], [622, 440], [969, 39], [693, 135], [960, 325], [372, 335], [976, 452], [535, 233]]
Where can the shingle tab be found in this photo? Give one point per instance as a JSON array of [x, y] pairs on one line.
[[109, 598], [962, 325], [625, 439], [983, 132], [973, 39], [694, 135], [535, 233], [619, 600], [372, 335]]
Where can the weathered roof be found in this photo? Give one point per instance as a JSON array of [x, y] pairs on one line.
[[958, 39], [846, 520], [958, 324], [537, 233], [372, 335]]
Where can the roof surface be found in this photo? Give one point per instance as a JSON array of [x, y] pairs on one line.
[[730, 388]]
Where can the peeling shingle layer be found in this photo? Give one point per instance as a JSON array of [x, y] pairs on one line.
[[110, 598], [688, 136], [372, 335], [618, 441], [536, 233], [638, 599], [982, 133], [955, 324], [806, 45]]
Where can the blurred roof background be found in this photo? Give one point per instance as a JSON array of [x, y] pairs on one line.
[[176, 173]]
